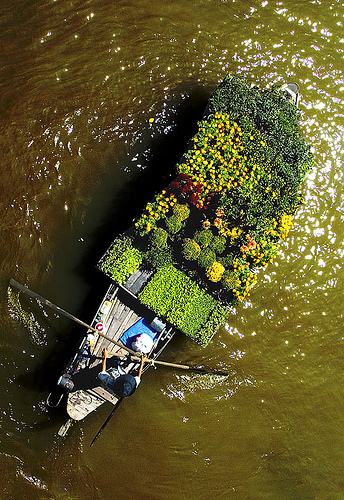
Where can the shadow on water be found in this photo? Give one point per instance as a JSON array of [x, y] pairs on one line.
[[115, 216]]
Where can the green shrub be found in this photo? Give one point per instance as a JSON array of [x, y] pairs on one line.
[[173, 224], [203, 237], [218, 244], [206, 257], [191, 249], [159, 257], [181, 211], [226, 260], [121, 260], [158, 237]]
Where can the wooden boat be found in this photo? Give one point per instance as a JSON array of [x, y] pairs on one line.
[[119, 319], [122, 315]]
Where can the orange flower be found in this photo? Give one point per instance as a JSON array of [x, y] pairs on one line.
[[244, 249], [218, 222]]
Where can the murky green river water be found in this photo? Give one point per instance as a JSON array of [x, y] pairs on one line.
[[79, 82]]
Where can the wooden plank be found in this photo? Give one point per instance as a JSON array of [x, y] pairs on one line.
[[80, 403]]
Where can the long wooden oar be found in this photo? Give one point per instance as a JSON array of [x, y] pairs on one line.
[[186, 367], [58, 309], [179, 366], [135, 356], [106, 422]]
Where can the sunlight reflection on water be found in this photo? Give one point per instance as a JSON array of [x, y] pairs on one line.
[[82, 83]]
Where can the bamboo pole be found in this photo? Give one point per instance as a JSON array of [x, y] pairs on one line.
[[58, 309], [135, 356]]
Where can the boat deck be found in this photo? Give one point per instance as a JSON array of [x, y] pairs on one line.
[[119, 311]]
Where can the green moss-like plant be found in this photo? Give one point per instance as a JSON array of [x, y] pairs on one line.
[[121, 260], [191, 249]]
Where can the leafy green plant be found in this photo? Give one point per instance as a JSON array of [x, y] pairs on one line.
[[181, 211], [217, 318], [121, 260], [218, 244], [158, 237], [173, 224], [191, 249], [203, 237], [159, 257], [206, 257]]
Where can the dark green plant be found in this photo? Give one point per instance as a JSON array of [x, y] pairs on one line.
[[218, 244], [206, 258], [217, 318], [191, 249], [203, 237], [173, 224], [159, 257], [158, 237], [226, 260]]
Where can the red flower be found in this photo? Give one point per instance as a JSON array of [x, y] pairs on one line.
[[244, 249], [194, 198], [175, 185], [184, 177]]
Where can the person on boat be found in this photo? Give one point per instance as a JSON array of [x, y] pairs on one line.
[[142, 343], [123, 385]]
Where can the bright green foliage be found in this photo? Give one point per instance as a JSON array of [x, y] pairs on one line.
[[121, 260], [191, 249], [172, 294]]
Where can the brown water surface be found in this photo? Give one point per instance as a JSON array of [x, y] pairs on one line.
[[79, 82]]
